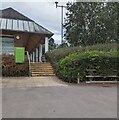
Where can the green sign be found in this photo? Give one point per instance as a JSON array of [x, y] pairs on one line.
[[19, 54]]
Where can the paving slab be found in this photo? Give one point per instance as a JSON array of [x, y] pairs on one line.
[[10, 82]]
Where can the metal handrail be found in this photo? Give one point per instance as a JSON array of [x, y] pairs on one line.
[[29, 62]]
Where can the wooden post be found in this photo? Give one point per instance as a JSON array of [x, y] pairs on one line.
[[40, 52], [46, 44]]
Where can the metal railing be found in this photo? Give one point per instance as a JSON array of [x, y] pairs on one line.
[[29, 62]]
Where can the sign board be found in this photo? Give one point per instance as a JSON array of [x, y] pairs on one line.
[[19, 54]]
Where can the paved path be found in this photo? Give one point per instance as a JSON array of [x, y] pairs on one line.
[[60, 102], [10, 82]]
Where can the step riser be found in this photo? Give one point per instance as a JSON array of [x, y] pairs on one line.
[[42, 74], [41, 68], [42, 71]]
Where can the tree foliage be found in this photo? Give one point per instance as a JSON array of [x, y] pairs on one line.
[[89, 23], [52, 44]]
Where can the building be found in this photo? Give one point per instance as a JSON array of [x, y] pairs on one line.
[[18, 30]]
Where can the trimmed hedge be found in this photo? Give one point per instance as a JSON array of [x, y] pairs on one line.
[[55, 55], [105, 64], [10, 68]]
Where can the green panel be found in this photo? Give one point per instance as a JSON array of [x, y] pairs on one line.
[[19, 54]]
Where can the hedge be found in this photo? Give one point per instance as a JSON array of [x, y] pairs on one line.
[[10, 68], [105, 64], [55, 55]]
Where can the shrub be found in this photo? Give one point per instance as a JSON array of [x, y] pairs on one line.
[[10, 68], [103, 62], [55, 55]]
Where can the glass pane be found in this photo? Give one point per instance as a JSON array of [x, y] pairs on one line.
[[7, 45], [36, 28], [26, 27], [31, 26], [39, 28], [9, 24], [20, 25], [15, 25], [3, 24]]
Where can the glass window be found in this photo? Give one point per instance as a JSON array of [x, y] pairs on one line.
[[26, 27], [36, 27], [9, 24], [7, 45], [3, 24], [15, 25], [31, 26], [39, 28], [20, 25]]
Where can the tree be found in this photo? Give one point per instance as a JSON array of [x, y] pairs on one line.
[[63, 45], [89, 23], [52, 44]]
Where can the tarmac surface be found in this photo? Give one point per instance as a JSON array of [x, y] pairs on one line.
[[57, 100]]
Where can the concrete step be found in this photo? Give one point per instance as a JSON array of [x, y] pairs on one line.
[[40, 63], [41, 69], [43, 75], [42, 72]]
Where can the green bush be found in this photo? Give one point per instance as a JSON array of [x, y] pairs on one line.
[[105, 63], [10, 68], [55, 55]]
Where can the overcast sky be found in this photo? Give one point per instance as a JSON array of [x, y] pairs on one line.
[[43, 12]]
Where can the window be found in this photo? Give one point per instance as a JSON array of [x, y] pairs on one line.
[[15, 25], [7, 45], [20, 25], [31, 26], [26, 27], [9, 23], [3, 24]]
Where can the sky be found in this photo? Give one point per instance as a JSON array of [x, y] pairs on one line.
[[44, 12]]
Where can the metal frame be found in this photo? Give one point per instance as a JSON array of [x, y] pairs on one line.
[[29, 62]]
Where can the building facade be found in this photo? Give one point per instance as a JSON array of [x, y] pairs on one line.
[[18, 30]]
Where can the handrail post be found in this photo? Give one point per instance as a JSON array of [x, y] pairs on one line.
[[29, 62]]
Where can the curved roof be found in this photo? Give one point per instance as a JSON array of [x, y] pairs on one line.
[[10, 19]]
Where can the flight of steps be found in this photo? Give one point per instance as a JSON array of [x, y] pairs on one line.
[[41, 69]]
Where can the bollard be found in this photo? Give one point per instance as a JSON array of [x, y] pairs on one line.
[[78, 81]]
